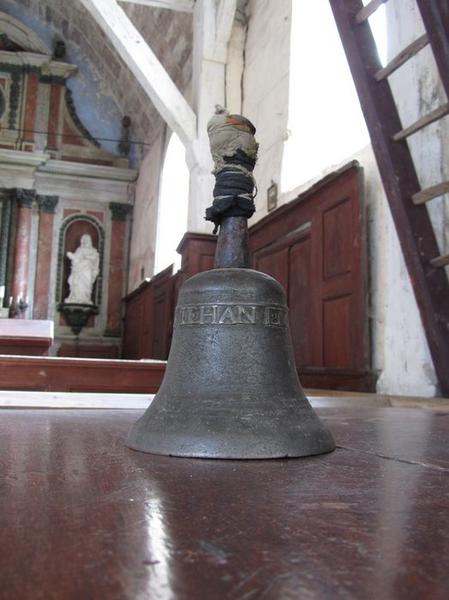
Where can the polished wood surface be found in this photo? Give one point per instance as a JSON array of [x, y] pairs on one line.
[[84, 517]]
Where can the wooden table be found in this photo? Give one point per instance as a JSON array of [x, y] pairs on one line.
[[82, 517]]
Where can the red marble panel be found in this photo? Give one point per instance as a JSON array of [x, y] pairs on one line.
[[97, 214], [29, 122], [44, 251], [21, 255], [70, 138], [53, 141], [70, 211]]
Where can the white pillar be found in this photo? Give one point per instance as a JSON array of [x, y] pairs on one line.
[[212, 27]]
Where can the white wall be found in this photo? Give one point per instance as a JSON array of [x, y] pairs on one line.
[[265, 88], [143, 235], [408, 364]]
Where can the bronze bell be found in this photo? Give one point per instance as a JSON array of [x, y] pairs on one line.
[[231, 389]]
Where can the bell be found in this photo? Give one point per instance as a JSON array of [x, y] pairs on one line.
[[230, 388]]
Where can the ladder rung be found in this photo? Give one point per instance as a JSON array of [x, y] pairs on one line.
[[368, 10], [402, 57], [434, 115], [440, 261], [432, 192]]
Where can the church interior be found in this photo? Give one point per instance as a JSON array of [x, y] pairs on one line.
[[107, 170]]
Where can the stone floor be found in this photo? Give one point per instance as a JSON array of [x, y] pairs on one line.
[[83, 517]]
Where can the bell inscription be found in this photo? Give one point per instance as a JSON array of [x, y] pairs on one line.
[[231, 314]]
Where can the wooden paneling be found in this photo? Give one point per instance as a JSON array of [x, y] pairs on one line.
[[162, 313], [337, 237], [80, 375], [134, 322], [337, 341], [274, 263], [197, 251], [150, 308], [83, 350], [315, 247], [300, 301]]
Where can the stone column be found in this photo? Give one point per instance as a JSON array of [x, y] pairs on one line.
[[5, 228], [19, 288], [119, 213], [47, 206]]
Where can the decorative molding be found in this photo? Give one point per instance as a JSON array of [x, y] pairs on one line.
[[49, 79], [21, 35], [47, 204], [119, 211], [62, 167], [22, 159], [25, 198], [48, 71], [76, 120], [8, 44]]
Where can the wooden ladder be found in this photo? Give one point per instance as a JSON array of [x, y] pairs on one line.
[[425, 264]]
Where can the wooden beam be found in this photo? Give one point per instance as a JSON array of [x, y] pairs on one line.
[[180, 5], [365, 12], [402, 57], [143, 63], [440, 261], [431, 192], [224, 21], [431, 117]]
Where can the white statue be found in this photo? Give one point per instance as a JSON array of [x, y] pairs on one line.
[[85, 268]]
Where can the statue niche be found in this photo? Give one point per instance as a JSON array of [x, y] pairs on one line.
[[83, 272], [81, 259]]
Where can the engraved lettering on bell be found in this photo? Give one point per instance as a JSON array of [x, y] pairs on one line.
[[231, 314]]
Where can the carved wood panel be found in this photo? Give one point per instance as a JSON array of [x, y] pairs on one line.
[[315, 247]]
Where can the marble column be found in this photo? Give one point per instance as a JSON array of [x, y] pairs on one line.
[[119, 214], [47, 206], [19, 287]]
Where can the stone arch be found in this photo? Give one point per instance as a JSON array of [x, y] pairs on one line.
[[72, 228], [21, 35]]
